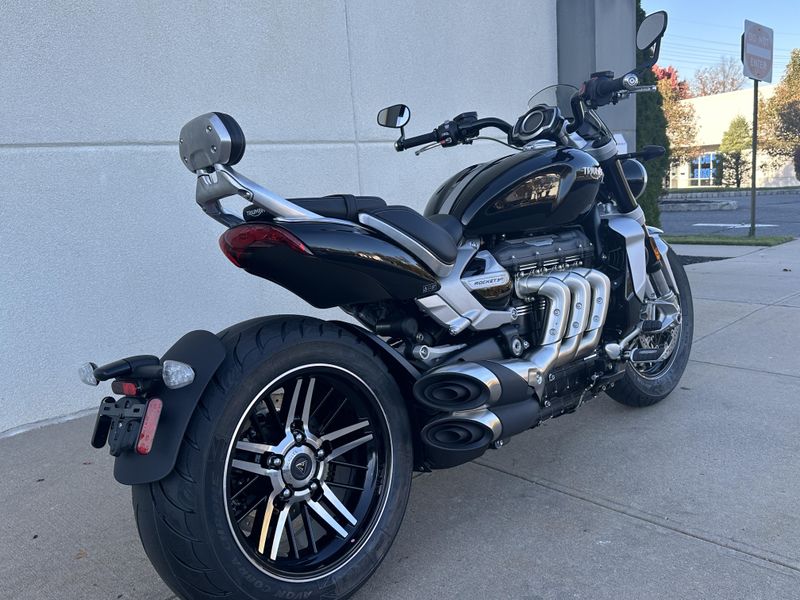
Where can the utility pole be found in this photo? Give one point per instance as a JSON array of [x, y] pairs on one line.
[[757, 65]]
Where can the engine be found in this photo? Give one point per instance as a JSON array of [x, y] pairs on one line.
[[548, 282]]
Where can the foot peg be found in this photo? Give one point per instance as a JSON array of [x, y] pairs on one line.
[[651, 326], [646, 355]]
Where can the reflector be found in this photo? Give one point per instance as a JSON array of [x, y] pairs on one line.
[[149, 425]]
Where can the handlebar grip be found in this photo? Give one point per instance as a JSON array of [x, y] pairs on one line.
[[418, 140], [606, 87]]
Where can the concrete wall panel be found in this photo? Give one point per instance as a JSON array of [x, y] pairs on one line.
[[104, 252]]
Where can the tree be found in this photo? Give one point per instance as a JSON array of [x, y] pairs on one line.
[[681, 119], [651, 128], [735, 145], [779, 124], [725, 76]]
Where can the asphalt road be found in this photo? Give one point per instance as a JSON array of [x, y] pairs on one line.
[[776, 215], [695, 497]]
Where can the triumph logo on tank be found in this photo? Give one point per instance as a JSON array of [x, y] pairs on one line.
[[593, 173]]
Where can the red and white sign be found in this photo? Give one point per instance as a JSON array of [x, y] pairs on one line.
[[757, 51]]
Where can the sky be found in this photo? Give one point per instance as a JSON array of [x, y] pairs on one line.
[[700, 32]]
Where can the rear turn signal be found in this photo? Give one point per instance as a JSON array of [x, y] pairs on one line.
[[149, 425], [240, 239]]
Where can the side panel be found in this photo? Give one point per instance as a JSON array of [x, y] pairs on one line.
[[633, 233], [348, 265], [204, 352]]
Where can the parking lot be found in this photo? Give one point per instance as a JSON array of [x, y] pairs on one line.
[[775, 215]]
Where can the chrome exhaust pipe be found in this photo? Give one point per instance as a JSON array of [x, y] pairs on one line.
[[578, 318], [460, 437], [601, 293]]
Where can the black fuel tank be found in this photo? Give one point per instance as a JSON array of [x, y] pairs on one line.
[[533, 190]]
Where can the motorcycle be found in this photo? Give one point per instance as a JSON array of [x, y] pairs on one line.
[[274, 459]]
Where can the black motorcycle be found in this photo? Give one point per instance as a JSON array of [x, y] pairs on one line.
[[274, 459]]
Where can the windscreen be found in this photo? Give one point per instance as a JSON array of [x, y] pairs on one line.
[[561, 96]]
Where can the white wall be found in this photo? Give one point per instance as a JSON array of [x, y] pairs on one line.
[[103, 252]]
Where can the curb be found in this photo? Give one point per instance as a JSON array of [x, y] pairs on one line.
[[737, 193], [697, 205]]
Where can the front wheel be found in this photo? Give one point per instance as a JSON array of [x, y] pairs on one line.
[[294, 473], [645, 384]]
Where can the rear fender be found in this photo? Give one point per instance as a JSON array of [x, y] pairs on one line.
[[204, 352]]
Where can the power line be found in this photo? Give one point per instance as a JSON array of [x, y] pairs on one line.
[[739, 29]]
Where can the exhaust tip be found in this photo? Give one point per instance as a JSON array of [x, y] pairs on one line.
[[452, 441], [448, 392]]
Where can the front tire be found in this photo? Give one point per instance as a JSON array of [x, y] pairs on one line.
[[645, 387], [293, 476]]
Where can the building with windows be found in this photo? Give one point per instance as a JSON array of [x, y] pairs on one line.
[[713, 116]]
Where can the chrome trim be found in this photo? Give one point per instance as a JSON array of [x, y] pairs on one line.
[[404, 240], [628, 227], [430, 354], [479, 415], [559, 295], [663, 248], [452, 195], [604, 152], [224, 182], [601, 294], [477, 372], [494, 274], [454, 306], [578, 318]]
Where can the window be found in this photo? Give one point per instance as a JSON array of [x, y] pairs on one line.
[[704, 170]]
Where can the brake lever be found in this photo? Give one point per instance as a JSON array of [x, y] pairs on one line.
[[430, 146]]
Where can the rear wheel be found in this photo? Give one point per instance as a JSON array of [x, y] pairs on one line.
[[294, 473], [647, 383]]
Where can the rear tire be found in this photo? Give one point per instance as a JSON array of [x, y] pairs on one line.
[[188, 522], [637, 390]]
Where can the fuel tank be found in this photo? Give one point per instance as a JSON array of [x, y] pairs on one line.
[[533, 190]]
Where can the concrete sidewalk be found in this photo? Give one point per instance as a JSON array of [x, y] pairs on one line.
[[696, 497]]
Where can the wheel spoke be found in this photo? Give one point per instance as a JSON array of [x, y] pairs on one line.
[[329, 437], [292, 415], [350, 446], [291, 537], [346, 486], [309, 531], [244, 514], [280, 527], [348, 465], [250, 467], [262, 540], [337, 504], [327, 517], [254, 447], [333, 416]]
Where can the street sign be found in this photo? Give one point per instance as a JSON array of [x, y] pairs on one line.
[[757, 51]]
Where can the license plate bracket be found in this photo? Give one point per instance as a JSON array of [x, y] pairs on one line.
[[118, 423]]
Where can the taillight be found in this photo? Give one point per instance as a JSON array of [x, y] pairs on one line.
[[237, 241], [149, 425], [126, 388]]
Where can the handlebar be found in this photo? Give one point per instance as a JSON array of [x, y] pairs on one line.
[[460, 130], [413, 142]]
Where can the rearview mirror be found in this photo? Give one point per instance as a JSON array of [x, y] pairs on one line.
[[651, 29], [649, 34], [394, 117]]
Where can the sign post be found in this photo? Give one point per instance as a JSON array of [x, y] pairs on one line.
[[757, 65]]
